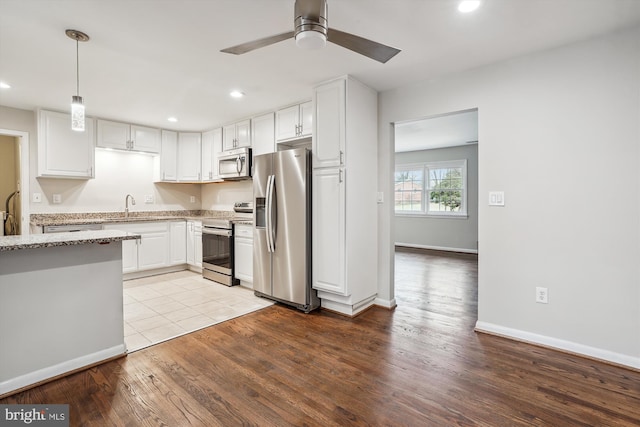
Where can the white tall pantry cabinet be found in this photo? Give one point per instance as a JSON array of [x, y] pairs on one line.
[[345, 159]]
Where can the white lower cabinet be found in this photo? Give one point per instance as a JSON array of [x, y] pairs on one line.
[[243, 254], [329, 231], [178, 242], [150, 252], [194, 243]]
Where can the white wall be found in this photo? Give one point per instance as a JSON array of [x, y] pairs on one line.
[[222, 195], [457, 234], [117, 174], [560, 134]]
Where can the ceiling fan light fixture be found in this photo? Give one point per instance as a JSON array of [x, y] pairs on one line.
[[311, 40], [466, 6]]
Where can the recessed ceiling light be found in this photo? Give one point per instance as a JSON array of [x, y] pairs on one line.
[[4, 85], [236, 94], [172, 119], [466, 6]]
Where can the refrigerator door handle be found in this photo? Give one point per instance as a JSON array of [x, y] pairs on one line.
[[271, 229], [268, 218]]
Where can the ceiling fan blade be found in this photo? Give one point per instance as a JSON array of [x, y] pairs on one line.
[[256, 44], [366, 47]]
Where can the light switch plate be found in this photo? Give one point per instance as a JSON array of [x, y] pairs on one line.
[[192, 199], [496, 198], [380, 197], [148, 198], [57, 198]]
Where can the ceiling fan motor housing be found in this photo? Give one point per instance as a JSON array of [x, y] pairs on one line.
[[311, 15]]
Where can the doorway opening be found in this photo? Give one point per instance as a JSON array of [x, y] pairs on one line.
[[14, 182], [435, 217]]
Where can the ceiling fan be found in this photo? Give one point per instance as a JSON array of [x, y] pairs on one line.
[[312, 31]]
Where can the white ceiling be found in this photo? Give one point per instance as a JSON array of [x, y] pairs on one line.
[[447, 130], [151, 59]]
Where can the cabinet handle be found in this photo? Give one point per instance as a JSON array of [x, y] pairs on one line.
[[210, 175], [340, 175], [341, 157], [199, 179]]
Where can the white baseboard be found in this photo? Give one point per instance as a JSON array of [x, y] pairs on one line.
[[328, 302], [437, 248], [386, 303], [60, 369], [559, 344]]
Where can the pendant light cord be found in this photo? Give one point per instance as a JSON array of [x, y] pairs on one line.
[[77, 69]]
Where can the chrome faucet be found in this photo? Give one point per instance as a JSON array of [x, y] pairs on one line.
[[126, 204]]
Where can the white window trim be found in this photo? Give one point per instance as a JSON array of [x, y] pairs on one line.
[[462, 214]]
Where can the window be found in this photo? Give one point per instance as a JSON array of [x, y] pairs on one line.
[[437, 189]]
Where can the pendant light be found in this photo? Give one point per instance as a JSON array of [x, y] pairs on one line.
[[77, 107]]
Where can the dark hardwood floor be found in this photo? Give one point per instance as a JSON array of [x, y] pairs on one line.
[[420, 364]]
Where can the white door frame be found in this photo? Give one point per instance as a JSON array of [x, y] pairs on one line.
[[24, 177]]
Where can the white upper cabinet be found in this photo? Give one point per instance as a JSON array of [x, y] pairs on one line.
[[294, 122], [169, 156], [62, 152], [123, 136], [262, 134], [236, 135], [211, 147], [189, 153], [329, 133]]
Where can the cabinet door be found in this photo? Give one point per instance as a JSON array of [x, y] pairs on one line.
[[189, 162], [113, 135], [287, 121], [198, 244], [62, 152], [169, 156], [262, 134], [229, 137], [329, 131], [145, 139], [191, 243], [328, 225], [153, 250], [129, 256], [306, 119], [178, 242], [243, 259], [211, 146], [243, 134]]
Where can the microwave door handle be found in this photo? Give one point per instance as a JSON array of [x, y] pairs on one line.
[[238, 165]]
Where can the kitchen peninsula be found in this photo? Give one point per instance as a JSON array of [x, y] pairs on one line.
[[60, 304]]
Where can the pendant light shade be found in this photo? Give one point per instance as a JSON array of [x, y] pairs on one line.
[[77, 106]]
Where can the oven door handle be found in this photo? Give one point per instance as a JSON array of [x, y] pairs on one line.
[[216, 231]]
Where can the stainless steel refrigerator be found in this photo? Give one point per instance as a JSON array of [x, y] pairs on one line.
[[282, 228]]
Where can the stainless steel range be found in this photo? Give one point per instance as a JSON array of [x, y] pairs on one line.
[[217, 251]]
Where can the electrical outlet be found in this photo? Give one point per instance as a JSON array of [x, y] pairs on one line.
[[37, 197], [57, 198], [192, 199], [148, 198], [542, 295]]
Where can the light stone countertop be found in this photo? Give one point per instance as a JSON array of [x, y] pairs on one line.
[[118, 217], [33, 241]]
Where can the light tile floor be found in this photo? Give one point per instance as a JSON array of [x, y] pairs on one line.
[[158, 308]]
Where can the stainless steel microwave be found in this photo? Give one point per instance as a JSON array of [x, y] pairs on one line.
[[235, 164]]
